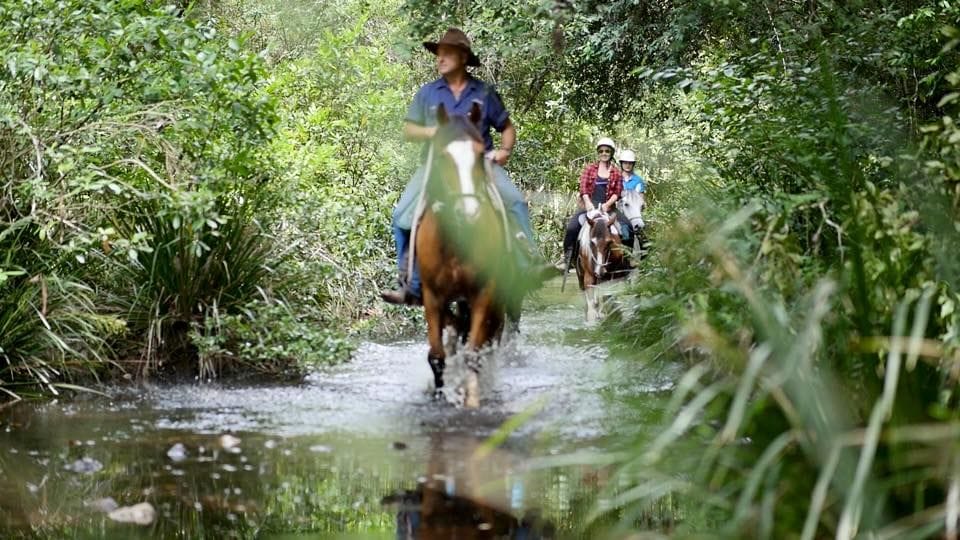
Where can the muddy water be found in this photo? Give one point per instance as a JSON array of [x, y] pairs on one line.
[[357, 450]]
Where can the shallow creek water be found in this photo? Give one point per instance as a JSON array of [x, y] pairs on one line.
[[357, 450]]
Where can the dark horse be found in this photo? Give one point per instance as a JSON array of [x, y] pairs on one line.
[[600, 257], [462, 245]]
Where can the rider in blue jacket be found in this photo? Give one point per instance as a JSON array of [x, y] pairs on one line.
[[631, 180], [457, 90]]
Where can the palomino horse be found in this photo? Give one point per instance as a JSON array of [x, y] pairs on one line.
[[461, 245], [631, 206], [600, 257]]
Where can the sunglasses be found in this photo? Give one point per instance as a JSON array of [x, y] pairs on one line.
[[604, 151]]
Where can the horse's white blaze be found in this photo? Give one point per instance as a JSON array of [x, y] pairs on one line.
[[465, 158]]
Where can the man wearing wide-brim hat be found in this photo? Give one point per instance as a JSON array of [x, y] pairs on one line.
[[457, 90]]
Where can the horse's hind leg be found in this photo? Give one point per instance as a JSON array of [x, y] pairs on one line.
[[433, 310], [511, 321], [463, 320], [451, 331]]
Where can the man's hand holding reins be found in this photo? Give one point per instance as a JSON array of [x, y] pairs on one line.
[[500, 157]]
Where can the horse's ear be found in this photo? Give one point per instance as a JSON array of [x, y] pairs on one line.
[[475, 114], [442, 117]]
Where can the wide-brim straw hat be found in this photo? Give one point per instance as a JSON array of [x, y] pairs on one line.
[[456, 38]]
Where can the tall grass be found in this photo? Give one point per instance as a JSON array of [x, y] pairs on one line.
[[191, 269], [50, 332], [766, 439]]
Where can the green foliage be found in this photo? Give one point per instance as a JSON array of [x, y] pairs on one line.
[[819, 264], [340, 149], [132, 143], [192, 265], [267, 337]]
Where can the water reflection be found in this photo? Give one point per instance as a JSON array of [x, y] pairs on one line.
[[465, 494], [246, 484]]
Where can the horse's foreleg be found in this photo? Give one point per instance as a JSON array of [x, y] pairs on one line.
[[589, 296], [591, 314], [482, 316], [481, 312], [581, 271], [433, 310]]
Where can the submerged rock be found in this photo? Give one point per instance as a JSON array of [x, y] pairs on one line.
[[140, 514], [105, 505], [85, 465], [228, 441], [177, 452]]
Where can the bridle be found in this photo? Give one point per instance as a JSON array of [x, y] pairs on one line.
[[595, 258]]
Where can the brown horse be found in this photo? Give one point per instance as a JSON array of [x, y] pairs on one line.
[[600, 257], [461, 245], [465, 494]]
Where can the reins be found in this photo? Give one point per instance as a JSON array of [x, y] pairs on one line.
[[421, 202], [498, 202]]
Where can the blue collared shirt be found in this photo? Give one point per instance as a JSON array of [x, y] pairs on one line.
[[423, 110], [636, 183]]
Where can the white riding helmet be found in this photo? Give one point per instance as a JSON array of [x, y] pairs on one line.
[[606, 141], [628, 155]]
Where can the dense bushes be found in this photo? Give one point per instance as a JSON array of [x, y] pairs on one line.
[[137, 184], [812, 294]]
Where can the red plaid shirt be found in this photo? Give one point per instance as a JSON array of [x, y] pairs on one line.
[[589, 177]]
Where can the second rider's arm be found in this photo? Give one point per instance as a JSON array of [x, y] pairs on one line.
[[585, 195], [615, 189], [611, 202]]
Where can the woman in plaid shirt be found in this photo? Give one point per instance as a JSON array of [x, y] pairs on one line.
[[600, 186]]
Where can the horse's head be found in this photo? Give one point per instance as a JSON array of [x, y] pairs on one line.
[[632, 203], [457, 174], [596, 243]]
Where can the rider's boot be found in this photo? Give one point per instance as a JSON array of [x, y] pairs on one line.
[[531, 264], [402, 295], [563, 266]]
